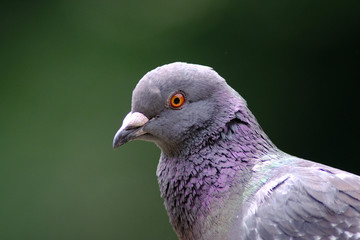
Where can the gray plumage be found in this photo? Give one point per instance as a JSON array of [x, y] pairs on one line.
[[220, 175]]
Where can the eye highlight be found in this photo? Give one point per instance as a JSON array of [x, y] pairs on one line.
[[177, 100]]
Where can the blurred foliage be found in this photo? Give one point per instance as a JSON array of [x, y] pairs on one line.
[[68, 69]]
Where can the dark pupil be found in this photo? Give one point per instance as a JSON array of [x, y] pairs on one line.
[[176, 101]]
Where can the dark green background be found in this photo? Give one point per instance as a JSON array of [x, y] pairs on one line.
[[67, 70]]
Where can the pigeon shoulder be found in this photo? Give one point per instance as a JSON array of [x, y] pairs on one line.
[[306, 200]]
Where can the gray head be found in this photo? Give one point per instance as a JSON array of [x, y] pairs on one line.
[[173, 103]]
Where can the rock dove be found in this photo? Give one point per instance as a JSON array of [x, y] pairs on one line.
[[220, 175]]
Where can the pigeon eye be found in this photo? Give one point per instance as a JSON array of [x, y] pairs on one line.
[[177, 100]]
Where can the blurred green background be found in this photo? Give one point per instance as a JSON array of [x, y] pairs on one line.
[[67, 71]]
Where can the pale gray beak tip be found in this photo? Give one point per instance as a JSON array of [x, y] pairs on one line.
[[131, 128]]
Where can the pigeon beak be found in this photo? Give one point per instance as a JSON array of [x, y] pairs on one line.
[[131, 128]]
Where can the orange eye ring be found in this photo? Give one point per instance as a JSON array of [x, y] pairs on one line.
[[177, 100]]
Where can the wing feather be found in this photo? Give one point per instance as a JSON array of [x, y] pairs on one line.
[[308, 203]]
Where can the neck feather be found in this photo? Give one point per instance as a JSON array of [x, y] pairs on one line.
[[219, 163]]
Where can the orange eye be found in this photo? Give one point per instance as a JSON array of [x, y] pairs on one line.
[[177, 100]]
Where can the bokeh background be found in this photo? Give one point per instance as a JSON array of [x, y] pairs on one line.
[[67, 71]]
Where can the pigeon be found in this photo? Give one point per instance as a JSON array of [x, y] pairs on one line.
[[220, 175]]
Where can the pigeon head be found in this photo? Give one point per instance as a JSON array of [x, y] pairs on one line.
[[175, 103]]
